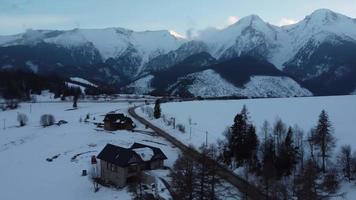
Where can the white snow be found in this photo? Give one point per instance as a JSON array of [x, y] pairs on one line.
[[274, 86], [75, 86], [45, 95], [142, 85], [26, 174], [321, 24], [32, 66], [215, 116], [111, 42], [208, 83], [210, 118], [145, 153], [81, 80], [282, 42]]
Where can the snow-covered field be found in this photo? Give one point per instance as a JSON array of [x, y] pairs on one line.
[[214, 116], [24, 171]]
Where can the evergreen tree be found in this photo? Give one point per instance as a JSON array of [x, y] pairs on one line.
[[287, 156], [244, 140], [157, 109], [323, 138]]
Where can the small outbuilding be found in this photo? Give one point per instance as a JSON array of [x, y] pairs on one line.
[[119, 164], [118, 121]]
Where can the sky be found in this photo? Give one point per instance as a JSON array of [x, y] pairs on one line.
[[182, 16]]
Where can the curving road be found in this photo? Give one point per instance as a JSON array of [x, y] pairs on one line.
[[224, 173]]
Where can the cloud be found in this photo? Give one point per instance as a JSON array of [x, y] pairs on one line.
[[232, 20], [19, 23], [286, 21], [175, 34], [207, 33]]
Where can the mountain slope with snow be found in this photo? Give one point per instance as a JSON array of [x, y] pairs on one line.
[[208, 83], [317, 52], [252, 36]]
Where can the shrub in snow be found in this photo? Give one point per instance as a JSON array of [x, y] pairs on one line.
[[181, 128], [22, 119], [47, 120]]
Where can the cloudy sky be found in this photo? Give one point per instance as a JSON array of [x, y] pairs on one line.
[[182, 16]]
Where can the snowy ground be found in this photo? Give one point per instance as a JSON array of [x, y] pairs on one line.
[[213, 117], [24, 171]]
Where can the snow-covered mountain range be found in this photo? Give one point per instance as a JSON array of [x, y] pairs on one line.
[[315, 54]]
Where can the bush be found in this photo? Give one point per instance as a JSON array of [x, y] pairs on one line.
[[22, 119], [181, 128], [47, 120]]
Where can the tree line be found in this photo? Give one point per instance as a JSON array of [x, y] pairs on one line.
[[284, 162], [20, 85]]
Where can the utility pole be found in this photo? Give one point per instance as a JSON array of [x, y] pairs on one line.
[[190, 127], [206, 139]]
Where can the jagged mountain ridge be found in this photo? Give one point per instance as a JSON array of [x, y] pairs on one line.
[[307, 51]]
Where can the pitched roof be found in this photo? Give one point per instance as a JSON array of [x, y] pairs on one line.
[[137, 153], [117, 117], [145, 153], [158, 154], [113, 117], [119, 156]]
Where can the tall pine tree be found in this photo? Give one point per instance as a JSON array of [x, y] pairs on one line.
[[323, 138], [244, 141]]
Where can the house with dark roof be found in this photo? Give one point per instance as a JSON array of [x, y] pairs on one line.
[[118, 121], [119, 164]]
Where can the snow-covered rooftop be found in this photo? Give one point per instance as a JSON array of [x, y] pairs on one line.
[[145, 153]]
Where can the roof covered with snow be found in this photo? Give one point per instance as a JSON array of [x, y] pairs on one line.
[[138, 153]]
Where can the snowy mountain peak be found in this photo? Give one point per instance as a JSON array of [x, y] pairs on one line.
[[325, 17], [251, 19]]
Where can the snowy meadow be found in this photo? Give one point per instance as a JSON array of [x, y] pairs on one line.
[[24, 169], [214, 116]]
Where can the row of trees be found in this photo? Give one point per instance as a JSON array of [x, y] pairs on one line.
[[20, 85], [285, 163]]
